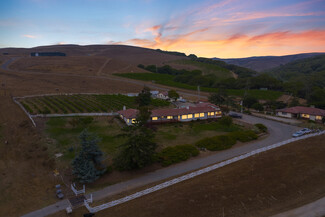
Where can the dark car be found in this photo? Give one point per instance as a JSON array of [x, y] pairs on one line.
[[235, 115]]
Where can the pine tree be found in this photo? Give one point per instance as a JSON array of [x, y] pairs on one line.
[[89, 159], [139, 149]]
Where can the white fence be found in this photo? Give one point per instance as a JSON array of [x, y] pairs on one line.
[[73, 114], [77, 192], [22, 107], [193, 174]]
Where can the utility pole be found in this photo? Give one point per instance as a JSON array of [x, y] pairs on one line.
[[198, 92]]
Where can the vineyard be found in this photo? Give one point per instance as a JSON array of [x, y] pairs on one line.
[[81, 103]]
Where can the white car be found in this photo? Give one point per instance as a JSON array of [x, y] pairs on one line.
[[297, 134], [305, 130]]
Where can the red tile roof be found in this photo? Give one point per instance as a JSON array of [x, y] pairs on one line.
[[129, 113], [303, 110], [199, 108]]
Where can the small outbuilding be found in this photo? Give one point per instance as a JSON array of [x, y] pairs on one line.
[[314, 114]]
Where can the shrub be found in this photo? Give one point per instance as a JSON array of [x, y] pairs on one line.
[[171, 155], [244, 136], [226, 120], [261, 127], [217, 143]]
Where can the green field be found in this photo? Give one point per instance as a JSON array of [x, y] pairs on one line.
[[167, 80], [206, 69], [64, 104]]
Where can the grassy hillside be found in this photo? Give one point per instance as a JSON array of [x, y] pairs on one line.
[[264, 63], [300, 69], [206, 69], [168, 80]]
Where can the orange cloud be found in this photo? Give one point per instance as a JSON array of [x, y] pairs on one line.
[[275, 43]]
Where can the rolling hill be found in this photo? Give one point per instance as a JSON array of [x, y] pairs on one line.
[[109, 59], [303, 69], [264, 63]]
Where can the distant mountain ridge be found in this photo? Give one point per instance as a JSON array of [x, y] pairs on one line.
[[265, 63]]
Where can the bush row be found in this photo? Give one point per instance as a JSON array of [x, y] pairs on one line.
[[261, 127], [222, 142], [175, 154]]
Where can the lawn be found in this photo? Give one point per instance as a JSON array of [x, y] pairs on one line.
[[65, 131], [167, 80], [82, 103]]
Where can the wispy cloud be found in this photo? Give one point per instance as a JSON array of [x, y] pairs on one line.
[[210, 27], [29, 36]]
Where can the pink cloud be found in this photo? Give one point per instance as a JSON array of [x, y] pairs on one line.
[[29, 36]]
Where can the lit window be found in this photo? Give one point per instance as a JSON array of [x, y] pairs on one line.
[[305, 115], [211, 113], [128, 120], [318, 117], [196, 115], [189, 116], [184, 116], [169, 117], [133, 120], [154, 118], [121, 116], [201, 115]]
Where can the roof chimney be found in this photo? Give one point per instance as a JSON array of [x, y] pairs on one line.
[[124, 108]]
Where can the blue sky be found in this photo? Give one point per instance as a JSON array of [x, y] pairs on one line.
[[223, 28]]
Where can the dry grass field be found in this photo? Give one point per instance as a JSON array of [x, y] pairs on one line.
[[257, 186]]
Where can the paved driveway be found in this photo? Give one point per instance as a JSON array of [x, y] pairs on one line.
[[277, 132]]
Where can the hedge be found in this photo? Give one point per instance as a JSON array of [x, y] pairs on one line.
[[176, 154], [261, 127], [244, 136], [217, 143]]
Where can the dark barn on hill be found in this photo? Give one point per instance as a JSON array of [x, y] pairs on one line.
[[47, 54]]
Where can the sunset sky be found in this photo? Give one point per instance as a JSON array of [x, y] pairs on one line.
[[223, 28]]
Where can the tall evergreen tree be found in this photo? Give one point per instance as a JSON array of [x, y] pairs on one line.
[[139, 149], [144, 98], [86, 164]]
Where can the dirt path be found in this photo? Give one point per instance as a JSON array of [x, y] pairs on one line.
[[103, 66]]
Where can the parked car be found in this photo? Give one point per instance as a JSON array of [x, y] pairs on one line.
[[306, 130], [297, 134], [235, 115]]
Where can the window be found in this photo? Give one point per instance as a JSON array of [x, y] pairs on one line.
[[169, 117], [189, 116], [318, 117], [284, 113], [211, 113], [133, 120], [196, 115], [184, 116], [128, 120], [201, 115], [154, 118], [305, 115], [121, 116]]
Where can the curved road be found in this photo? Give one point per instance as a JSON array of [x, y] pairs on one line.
[[277, 132]]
